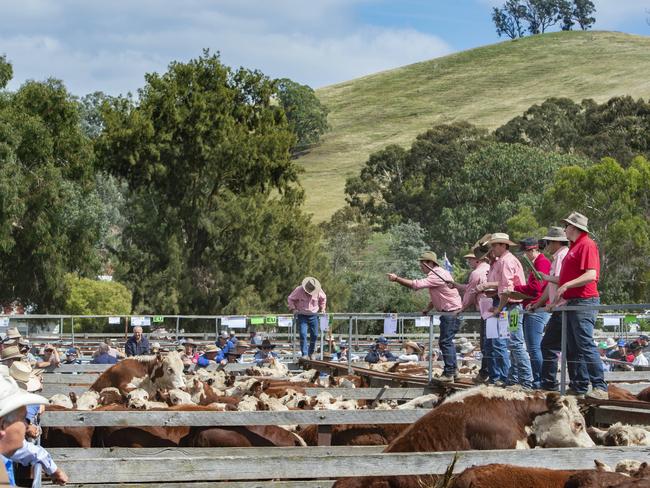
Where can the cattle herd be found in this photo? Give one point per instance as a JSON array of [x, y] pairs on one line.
[[476, 418]]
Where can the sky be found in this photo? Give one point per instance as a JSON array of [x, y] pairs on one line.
[[108, 46]]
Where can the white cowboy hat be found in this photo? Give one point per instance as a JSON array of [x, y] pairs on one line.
[[466, 348], [311, 285], [577, 220], [22, 373], [501, 238], [12, 397]]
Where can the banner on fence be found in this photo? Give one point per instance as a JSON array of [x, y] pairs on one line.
[[390, 324], [114, 320], [285, 321], [234, 322], [140, 321], [425, 321], [324, 323], [257, 320], [270, 320]]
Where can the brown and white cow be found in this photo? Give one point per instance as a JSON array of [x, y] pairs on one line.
[[487, 418], [621, 435], [509, 476], [151, 373]]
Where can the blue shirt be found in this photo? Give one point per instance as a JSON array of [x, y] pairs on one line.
[[133, 348], [104, 358], [260, 356], [10, 469], [202, 362], [227, 347], [32, 412]]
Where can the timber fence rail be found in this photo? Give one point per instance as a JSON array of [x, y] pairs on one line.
[[115, 465]]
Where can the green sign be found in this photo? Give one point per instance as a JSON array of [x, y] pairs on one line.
[[630, 319], [257, 320], [513, 320], [158, 319], [271, 319]]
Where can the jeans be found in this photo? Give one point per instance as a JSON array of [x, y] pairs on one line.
[[311, 322], [498, 358], [551, 348], [520, 370], [483, 372], [534, 323], [448, 327], [580, 340]]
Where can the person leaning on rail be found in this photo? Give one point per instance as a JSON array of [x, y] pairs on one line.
[[443, 299]]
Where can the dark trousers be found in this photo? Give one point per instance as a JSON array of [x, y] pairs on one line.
[[448, 328], [551, 346], [483, 372], [308, 322]]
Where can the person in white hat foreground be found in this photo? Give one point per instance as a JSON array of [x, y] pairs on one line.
[[306, 302], [13, 446]]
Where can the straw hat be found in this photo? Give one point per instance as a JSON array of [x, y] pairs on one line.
[[413, 345], [610, 342], [469, 255], [501, 238], [466, 348], [429, 256], [12, 333], [311, 285], [12, 397], [10, 352], [211, 348], [23, 374], [555, 234], [578, 220]]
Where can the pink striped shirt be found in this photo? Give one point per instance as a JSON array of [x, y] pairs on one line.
[[476, 277], [303, 303], [556, 266], [509, 273], [443, 298]]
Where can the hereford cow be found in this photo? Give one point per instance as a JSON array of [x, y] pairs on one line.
[[151, 373], [487, 418], [355, 434], [509, 476], [617, 393], [621, 435], [644, 395], [250, 436]]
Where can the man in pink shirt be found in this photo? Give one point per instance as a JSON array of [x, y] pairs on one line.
[[480, 269], [508, 274], [306, 302], [443, 299]]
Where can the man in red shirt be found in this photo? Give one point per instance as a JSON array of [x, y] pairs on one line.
[[534, 320], [579, 286]]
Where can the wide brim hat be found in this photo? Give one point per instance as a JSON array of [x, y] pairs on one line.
[[429, 256], [413, 345], [266, 343], [13, 333], [469, 255], [556, 234], [501, 238], [211, 348], [576, 219], [610, 342], [10, 352], [311, 286], [13, 398], [188, 341], [466, 348], [24, 376]]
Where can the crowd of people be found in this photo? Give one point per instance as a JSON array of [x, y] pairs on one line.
[[527, 353]]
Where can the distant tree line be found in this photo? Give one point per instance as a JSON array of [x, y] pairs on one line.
[[516, 17]]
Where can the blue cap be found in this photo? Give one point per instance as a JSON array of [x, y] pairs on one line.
[[381, 340], [70, 352], [621, 343]]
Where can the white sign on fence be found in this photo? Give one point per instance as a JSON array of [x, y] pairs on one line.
[[114, 320], [324, 323], [140, 321], [422, 321], [237, 322], [390, 324], [284, 321]]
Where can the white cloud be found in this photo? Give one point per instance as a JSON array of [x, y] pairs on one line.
[[109, 46]]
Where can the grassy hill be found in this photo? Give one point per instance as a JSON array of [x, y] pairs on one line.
[[486, 86]]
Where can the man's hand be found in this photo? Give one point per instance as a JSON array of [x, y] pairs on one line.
[[33, 431], [392, 277], [452, 284], [59, 477], [560, 291], [532, 306], [382, 359]]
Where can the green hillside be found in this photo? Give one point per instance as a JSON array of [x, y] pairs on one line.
[[486, 86]]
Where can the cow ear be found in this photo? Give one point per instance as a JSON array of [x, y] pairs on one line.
[[554, 401]]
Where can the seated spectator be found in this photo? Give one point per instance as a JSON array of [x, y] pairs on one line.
[[265, 354], [224, 343], [12, 336], [103, 356], [380, 353], [234, 355], [233, 337], [640, 359], [137, 344], [344, 350], [602, 350], [189, 356], [254, 338], [25, 349], [72, 356], [212, 355], [410, 352], [9, 354], [49, 357], [644, 342]]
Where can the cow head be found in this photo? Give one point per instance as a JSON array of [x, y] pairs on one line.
[[626, 435], [137, 399], [167, 372], [89, 400], [110, 396], [180, 397], [561, 426], [61, 401]]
